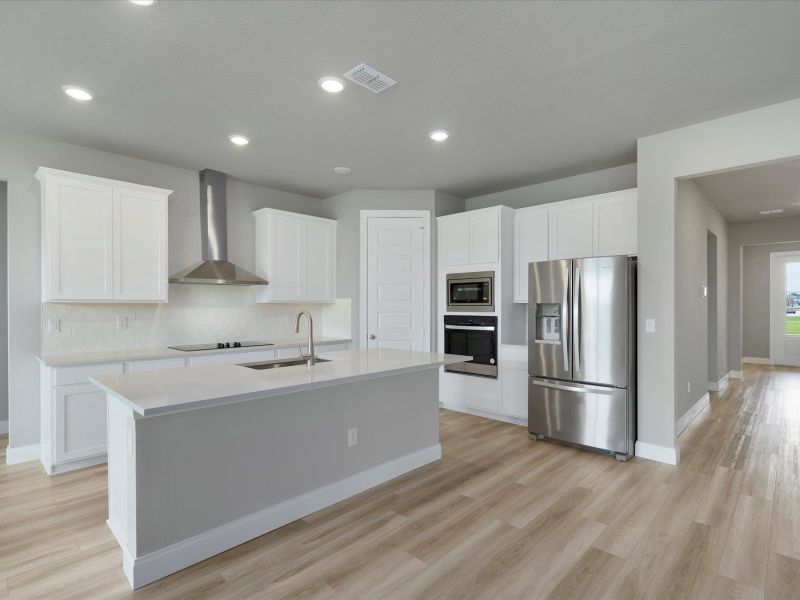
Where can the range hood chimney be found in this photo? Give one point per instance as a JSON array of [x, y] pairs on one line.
[[215, 268]]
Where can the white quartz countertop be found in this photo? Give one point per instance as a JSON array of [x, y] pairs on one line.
[[90, 358], [171, 390]]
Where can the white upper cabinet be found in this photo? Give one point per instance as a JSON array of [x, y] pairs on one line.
[[571, 229], [484, 236], [470, 238], [102, 240], [615, 223], [455, 240], [140, 245], [296, 254], [530, 245]]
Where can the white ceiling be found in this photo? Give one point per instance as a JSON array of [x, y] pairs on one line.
[[530, 91], [739, 195]]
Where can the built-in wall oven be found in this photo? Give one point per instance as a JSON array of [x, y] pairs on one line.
[[472, 335], [470, 292]]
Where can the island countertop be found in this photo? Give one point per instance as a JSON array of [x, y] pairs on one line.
[[171, 390]]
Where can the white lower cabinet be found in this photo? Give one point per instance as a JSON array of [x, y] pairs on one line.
[[80, 417], [504, 398]]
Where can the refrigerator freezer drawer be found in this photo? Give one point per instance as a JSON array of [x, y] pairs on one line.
[[585, 415]]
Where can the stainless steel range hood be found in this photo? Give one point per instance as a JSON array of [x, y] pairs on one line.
[[215, 268]]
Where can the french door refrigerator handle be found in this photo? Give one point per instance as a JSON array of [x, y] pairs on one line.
[[565, 321], [576, 311], [583, 389]]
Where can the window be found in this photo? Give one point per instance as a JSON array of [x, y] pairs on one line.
[[792, 292]]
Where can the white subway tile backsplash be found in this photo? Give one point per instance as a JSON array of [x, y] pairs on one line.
[[194, 314]]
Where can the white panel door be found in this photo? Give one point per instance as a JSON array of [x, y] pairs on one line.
[[571, 230], [396, 283], [615, 224], [320, 260], [140, 245], [484, 237], [81, 422], [530, 245], [785, 308], [287, 262], [454, 232], [78, 217]]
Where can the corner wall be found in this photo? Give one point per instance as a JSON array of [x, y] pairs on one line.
[[749, 138], [695, 216]]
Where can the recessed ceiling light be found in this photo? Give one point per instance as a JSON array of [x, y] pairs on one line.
[[239, 139], [342, 170], [332, 85], [771, 211], [439, 135], [78, 93], [143, 2]]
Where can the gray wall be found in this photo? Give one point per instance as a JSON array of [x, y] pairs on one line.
[[695, 217], [19, 158], [744, 239], [586, 184], [346, 209], [755, 295], [749, 138], [3, 302]]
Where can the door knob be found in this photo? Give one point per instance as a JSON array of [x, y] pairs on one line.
[[372, 336]]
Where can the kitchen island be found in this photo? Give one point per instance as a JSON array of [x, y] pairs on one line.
[[202, 459]]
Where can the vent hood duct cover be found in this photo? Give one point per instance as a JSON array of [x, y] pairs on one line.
[[215, 268]]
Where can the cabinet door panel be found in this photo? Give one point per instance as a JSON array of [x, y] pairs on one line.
[[571, 230], [286, 262], [320, 260], [455, 241], [484, 238], [78, 218], [615, 224], [530, 245], [140, 245], [515, 392], [80, 422]]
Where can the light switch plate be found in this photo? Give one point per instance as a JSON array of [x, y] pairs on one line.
[[650, 325]]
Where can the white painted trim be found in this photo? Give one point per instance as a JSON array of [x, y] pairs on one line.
[[735, 374], [3, 427], [80, 463], [21, 454], [718, 386], [488, 414], [756, 360], [425, 215], [691, 414], [155, 565], [662, 454]]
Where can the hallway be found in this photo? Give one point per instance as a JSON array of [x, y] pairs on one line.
[[499, 516]]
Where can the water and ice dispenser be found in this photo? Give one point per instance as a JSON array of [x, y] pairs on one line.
[[548, 323]]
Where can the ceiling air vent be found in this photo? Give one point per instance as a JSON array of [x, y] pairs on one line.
[[370, 78]]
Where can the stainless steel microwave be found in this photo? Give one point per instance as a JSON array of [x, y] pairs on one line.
[[470, 292]]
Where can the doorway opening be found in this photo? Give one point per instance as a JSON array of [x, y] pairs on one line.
[[712, 317], [3, 308], [785, 308]]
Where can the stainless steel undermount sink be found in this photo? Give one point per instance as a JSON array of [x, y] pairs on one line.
[[282, 362]]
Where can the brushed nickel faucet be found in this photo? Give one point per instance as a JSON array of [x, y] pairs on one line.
[[310, 356]]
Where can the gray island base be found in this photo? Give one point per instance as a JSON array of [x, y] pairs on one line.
[[191, 475]]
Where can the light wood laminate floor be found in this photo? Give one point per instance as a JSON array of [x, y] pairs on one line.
[[498, 517]]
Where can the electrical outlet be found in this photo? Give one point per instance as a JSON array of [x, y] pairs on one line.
[[54, 325], [122, 322], [650, 325], [688, 387], [352, 437]]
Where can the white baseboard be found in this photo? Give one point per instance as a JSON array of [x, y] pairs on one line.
[[488, 414], [662, 454], [155, 565], [691, 414], [718, 386], [735, 374], [3, 427], [21, 454], [756, 360]]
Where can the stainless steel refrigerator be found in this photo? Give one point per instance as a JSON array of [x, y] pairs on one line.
[[582, 353]]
